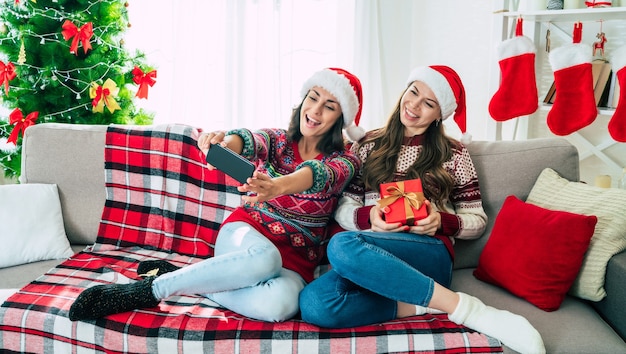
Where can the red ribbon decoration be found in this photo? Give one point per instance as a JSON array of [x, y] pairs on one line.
[[101, 93], [16, 117], [7, 73], [143, 80], [83, 35]]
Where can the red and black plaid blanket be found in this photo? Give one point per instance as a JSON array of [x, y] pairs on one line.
[[163, 204]]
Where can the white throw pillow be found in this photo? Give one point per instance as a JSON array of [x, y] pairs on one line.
[[551, 191], [31, 224]]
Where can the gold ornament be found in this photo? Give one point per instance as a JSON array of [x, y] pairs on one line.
[[104, 96], [21, 57]]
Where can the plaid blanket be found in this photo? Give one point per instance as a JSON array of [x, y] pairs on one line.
[[163, 204]]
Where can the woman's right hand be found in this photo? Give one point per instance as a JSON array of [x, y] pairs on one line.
[[380, 225], [206, 139]]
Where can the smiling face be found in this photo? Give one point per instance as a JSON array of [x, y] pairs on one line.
[[319, 112], [418, 108]]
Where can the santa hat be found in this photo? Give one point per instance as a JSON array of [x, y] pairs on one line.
[[347, 90], [449, 91]]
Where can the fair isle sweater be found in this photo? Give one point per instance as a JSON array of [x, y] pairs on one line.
[[295, 223], [463, 216]]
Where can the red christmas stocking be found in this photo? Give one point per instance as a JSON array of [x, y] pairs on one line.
[[574, 104], [617, 124], [517, 95]]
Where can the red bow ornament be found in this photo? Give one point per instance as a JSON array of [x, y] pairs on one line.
[[21, 123], [7, 73], [143, 80], [83, 35]]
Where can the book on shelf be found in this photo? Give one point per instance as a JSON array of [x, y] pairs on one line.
[[601, 81], [616, 93], [613, 91], [550, 95], [604, 100]]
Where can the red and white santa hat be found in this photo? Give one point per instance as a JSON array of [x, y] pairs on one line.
[[347, 90], [449, 91]]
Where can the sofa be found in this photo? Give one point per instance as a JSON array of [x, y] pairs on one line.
[[104, 173]]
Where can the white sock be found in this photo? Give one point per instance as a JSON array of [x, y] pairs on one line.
[[512, 330], [421, 310]]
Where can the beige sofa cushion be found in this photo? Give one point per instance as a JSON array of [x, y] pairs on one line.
[[49, 156]]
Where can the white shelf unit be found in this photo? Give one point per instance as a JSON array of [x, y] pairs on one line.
[[560, 23]]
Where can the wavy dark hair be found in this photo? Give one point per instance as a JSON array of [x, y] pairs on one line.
[[331, 141], [381, 163]]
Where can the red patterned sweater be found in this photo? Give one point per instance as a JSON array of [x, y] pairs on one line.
[[295, 223], [463, 217]]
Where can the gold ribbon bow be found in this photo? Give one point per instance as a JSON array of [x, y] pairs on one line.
[[412, 200], [104, 96]]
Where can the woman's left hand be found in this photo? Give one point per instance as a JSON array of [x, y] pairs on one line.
[[263, 186], [428, 225]]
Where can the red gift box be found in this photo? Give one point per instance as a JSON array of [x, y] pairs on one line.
[[405, 201]]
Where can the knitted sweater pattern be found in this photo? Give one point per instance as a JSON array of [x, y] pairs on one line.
[[463, 216], [295, 223]]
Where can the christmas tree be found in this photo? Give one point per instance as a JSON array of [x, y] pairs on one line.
[[64, 61]]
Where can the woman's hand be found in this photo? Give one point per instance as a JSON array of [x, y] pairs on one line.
[[379, 224], [428, 225], [206, 139], [263, 186]]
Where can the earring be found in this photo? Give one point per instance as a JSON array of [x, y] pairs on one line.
[[437, 122]]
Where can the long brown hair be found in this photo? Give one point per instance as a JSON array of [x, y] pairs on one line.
[[380, 166], [331, 141]]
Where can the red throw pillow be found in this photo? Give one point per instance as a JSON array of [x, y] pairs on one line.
[[535, 253]]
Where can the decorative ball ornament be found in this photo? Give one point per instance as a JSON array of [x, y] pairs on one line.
[[3, 28]]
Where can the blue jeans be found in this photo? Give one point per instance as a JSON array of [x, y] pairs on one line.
[[245, 275], [370, 273]]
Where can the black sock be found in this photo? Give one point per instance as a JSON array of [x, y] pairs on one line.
[[147, 268], [102, 300]]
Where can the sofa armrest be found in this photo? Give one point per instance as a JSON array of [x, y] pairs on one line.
[[612, 306]]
